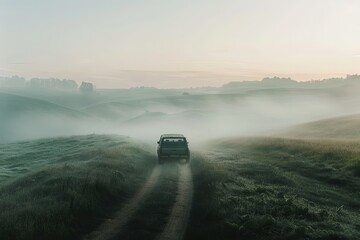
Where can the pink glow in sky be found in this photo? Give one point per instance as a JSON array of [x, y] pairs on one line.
[[179, 43]]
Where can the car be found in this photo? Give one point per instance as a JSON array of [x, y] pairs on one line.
[[173, 146]]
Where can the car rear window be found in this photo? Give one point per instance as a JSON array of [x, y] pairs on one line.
[[173, 142]]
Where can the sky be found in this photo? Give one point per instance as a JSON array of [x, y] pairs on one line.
[[179, 43]]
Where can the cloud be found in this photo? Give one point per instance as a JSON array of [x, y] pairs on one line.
[[19, 63], [8, 70]]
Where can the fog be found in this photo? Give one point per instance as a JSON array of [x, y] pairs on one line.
[[200, 114]]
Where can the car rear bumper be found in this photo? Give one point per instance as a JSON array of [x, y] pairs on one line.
[[173, 156]]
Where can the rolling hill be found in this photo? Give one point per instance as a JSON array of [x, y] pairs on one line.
[[340, 127], [24, 117], [12, 105], [116, 111]]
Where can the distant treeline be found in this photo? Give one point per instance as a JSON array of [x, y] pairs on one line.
[[276, 82], [44, 83]]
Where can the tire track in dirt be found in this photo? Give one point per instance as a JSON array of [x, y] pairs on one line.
[[176, 225], [113, 225]]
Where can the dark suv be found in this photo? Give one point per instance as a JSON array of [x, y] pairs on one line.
[[173, 146]]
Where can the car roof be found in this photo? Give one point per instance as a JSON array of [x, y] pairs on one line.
[[172, 135]]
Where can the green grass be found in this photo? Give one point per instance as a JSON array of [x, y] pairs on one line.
[[207, 216], [20, 158], [71, 193], [272, 188], [344, 127]]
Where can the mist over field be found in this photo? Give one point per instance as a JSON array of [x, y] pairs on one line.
[[236, 109], [180, 120]]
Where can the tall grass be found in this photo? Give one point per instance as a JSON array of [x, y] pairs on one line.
[[339, 154], [68, 199], [272, 188], [207, 214]]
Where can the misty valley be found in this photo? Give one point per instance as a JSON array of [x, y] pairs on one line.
[[270, 159], [236, 109]]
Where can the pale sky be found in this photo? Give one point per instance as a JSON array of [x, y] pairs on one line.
[[179, 43]]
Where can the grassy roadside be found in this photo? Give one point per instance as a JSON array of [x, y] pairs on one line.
[[271, 188], [152, 215], [69, 196], [207, 216]]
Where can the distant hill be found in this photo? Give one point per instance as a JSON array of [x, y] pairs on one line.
[[12, 105], [148, 117], [339, 127], [162, 118], [277, 82], [115, 111], [24, 118]]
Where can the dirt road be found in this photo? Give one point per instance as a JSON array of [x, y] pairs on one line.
[[178, 219], [112, 226], [176, 222]]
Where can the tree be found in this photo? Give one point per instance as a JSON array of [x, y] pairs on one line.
[[86, 87]]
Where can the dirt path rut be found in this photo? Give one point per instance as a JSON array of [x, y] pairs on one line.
[[112, 226], [178, 219]]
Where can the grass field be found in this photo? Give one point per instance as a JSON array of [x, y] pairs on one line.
[[303, 187], [344, 127], [64, 187], [273, 188]]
